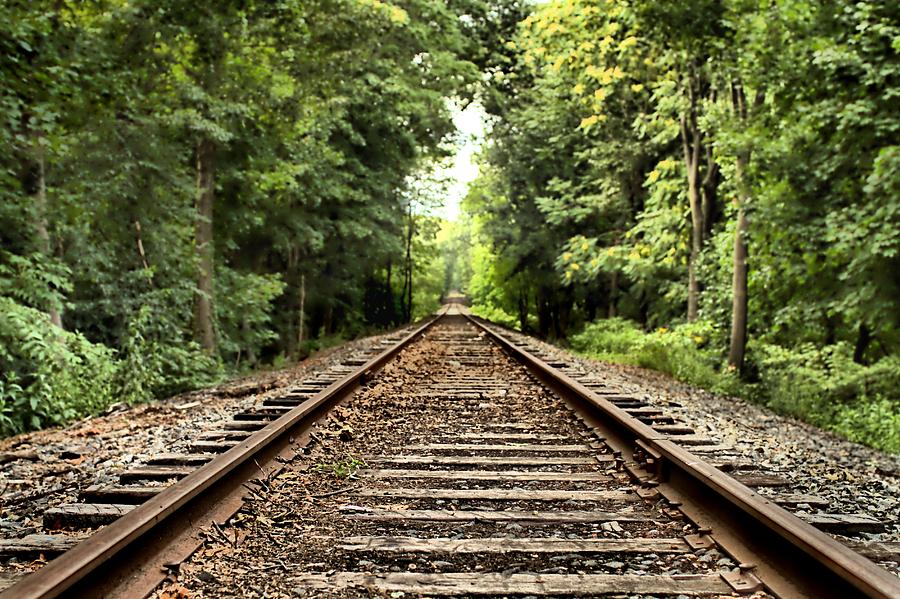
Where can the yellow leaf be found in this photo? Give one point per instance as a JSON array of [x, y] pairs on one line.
[[588, 122]]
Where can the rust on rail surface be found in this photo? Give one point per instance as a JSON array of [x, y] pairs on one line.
[[129, 557], [790, 556]]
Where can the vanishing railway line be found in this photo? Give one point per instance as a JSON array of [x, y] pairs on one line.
[[477, 469]]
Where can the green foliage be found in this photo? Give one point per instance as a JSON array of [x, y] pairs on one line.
[[48, 376], [343, 469], [306, 124], [822, 385], [246, 302], [154, 366], [826, 387], [631, 140], [682, 352]]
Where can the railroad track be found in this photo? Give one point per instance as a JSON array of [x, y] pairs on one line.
[[456, 462]]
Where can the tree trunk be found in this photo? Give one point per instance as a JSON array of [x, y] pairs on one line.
[[408, 274], [611, 311], [35, 185], [862, 343], [302, 316], [523, 311], [739, 296], [691, 144], [739, 293], [204, 329], [139, 242]]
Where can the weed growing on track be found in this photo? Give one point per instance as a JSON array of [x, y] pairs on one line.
[[342, 469]]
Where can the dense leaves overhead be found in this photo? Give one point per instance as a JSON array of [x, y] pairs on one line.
[[724, 169], [191, 186]]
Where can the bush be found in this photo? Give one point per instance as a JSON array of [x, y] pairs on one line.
[[613, 339], [48, 376], [821, 385], [244, 306], [680, 352], [824, 386], [494, 314], [157, 362]]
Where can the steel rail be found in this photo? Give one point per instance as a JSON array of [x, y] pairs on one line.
[[791, 557], [128, 558]]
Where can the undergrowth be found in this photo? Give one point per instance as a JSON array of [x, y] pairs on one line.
[[49, 376], [820, 385], [343, 469]]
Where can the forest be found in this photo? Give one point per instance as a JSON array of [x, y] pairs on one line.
[[709, 188]]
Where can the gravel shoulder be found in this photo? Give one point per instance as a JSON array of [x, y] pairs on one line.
[[44, 469]]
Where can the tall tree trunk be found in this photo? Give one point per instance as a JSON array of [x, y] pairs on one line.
[[862, 343], [738, 345], [523, 311], [407, 281], [302, 316], [739, 293], [34, 183], [43, 233], [204, 329], [691, 139], [611, 311]]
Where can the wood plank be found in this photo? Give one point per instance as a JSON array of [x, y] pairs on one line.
[[716, 449], [244, 425], [84, 515], [691, 440], [877, 551], [212, 446], [487, 460], [515, 436], [761, 480], [534, 516], [464, 583], [218, 435], [154, 473], [798, 499], [517, 475], [527, 426], [286, 400], [501, 494], [180, 459], [844, 523], [521, 545], [35, 544], [119, 493], [674, 429], [496, 447]]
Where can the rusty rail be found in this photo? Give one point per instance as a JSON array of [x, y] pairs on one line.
[[790, 557], [130, 557]]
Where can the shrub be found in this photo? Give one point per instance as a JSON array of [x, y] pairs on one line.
[[609, 339], [495, 314], [680, 352], [156, 361], [821, 385], [47, 375]]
